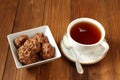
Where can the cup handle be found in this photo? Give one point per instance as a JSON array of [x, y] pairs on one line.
[[105, 45]]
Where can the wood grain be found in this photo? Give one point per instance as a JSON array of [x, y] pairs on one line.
[[57, 18], [29, 15], [114, 11], [96, 10], [18, 15], [7, 15]]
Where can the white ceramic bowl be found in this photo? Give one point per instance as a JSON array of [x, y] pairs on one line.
[[31, 32]]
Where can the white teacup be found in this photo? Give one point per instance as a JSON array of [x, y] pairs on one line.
[[81, 48]]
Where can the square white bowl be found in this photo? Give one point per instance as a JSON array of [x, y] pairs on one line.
[[31, 32]]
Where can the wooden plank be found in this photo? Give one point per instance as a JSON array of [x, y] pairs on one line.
[[7, 15], [103, 12], [29, 15], [113, 14], [57, 16]]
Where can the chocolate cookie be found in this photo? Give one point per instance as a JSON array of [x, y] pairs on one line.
[[40, 38], [28, 53], [47, 51], [19, 41]]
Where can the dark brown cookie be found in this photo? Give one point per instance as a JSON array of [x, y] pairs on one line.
[[33, 45], [28, 53], [40, 38], [26, 57], [47, 51], [19, 41]]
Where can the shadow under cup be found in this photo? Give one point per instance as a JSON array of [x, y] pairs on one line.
[[85, 34]]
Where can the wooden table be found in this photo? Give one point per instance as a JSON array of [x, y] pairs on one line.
[[18, 15]]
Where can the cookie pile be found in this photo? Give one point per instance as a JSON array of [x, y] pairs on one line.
[[31, 50]]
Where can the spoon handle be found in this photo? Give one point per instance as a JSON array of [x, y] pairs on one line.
[[79, 67], [77, 63]]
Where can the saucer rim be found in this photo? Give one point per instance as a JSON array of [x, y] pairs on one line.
[[85, 63]]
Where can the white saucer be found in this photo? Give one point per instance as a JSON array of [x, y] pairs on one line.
[[87, 58]]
